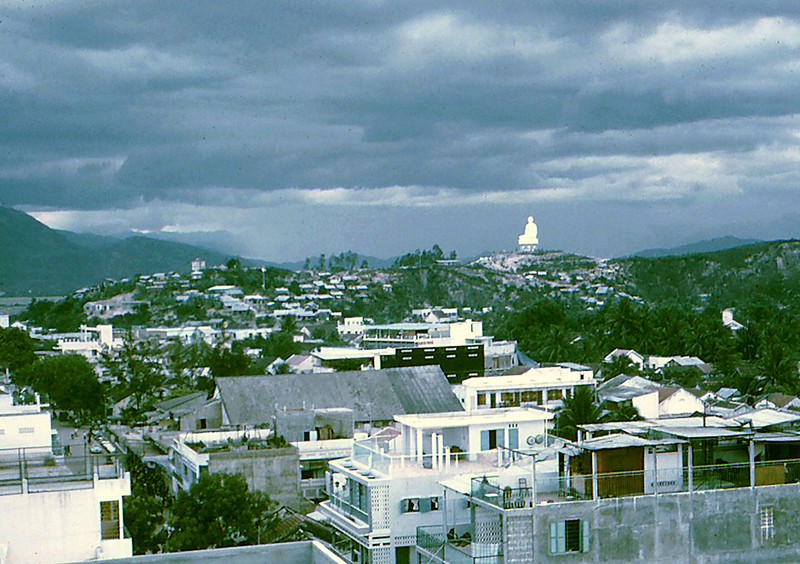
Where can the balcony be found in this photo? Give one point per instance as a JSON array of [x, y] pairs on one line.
[[553, 488], [456, 546]]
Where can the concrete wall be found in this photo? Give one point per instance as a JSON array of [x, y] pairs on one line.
[[25, 430], [61, 526], [702, 527], [275, 471]]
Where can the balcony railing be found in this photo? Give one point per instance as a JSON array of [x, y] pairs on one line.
[[456, 546], [344, 506], [554, 488]]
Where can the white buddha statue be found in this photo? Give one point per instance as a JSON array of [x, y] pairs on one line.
[[529, 240]]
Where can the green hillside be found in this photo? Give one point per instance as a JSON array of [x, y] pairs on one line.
[[36, 260]]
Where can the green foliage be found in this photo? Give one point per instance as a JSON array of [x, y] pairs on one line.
[[421, 258], [64, 315], [70, 383], [219, 511], [16, 349], [580, 409], [145, 507], [136, 368]]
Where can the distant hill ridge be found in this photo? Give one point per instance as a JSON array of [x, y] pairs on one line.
[[706, 246], [36, 260]]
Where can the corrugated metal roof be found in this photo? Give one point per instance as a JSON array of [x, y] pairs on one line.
[[376, 395]]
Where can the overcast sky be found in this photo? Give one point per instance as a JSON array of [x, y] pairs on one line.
[[284, 129]]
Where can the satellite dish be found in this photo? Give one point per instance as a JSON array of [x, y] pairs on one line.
[[538, 439]]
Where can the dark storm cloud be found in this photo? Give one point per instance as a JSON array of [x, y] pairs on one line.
[[163, 108]]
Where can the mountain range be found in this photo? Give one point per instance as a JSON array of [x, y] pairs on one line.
[[36, 260], [707, 246]]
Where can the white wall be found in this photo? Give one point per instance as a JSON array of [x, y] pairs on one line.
[[61, 526], [25, 430], [647, 405], [681, 402]]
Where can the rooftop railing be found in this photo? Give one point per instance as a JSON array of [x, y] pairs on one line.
[[386, 461], [554, 488]]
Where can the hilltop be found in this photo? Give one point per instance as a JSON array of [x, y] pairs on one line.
[[707, 246], [37, 260]]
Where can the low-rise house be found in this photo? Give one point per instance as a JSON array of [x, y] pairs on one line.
[[301, 363], [729, 322], [650, 399], [265, 465], [375, 396], [634, 357], [544, 386], [778, 401]]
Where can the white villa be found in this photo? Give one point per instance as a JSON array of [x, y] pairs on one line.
[[546, 386]]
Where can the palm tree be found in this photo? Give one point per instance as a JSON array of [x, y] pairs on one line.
[[580, 409]]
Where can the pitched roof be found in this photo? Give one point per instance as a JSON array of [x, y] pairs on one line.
[[376, 395]]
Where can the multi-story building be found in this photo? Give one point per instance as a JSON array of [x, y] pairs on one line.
[[392, 483], [55, 506], [24, 426], [673, 491], [545, 386], [460, 348]]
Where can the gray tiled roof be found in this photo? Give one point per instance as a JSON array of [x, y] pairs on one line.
[[376, 395]]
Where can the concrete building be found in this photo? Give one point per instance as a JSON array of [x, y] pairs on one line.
[[24, 426], [265, 467], [391, 484], [701, 489], [89, 342], [55, 506], [544, 386]]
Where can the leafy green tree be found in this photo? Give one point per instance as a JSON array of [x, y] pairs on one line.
[[16, 349], [219, 511], [136, 367], [145, 507], [69, 382]]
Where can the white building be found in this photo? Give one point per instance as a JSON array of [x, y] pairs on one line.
[[198, 265], [90, 342], [546, 386], [55, 507], [391, 483], [351, 326], [51, 514], [24, 426]]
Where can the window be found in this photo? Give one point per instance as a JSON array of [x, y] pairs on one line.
[[202, 424], [109, 520], [571, 535], [767, 523], [435, 503], [481, 399], [411, 505], [2, 432], [26, 430], [528, 396]]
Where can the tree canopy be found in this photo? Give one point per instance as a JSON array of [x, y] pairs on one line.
[[219, 511]]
